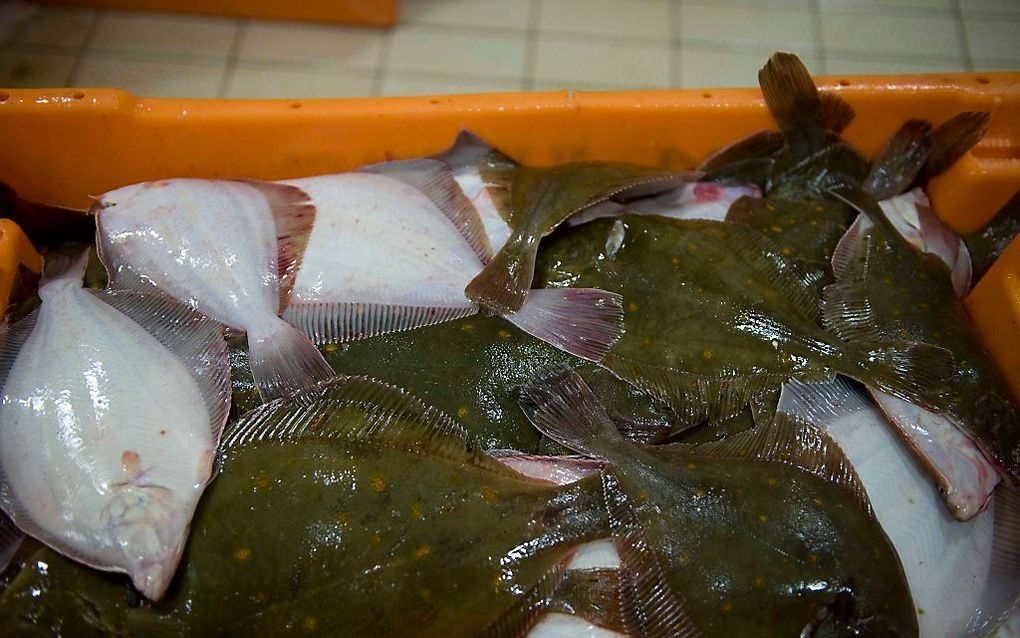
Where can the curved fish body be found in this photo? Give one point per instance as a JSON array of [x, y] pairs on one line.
[[213, 244], [765, 533], [107, 437], [698, 200], [394, 246], [948, 563]]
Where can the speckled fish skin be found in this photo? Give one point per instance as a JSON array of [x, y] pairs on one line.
[[378, 520], [107, 440], [716, 315], [472, 377], [749, 544]]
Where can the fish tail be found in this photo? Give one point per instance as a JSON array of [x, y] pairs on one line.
[[585, 322], [953, 138], [63, 267], [911, 370], [283, 361], [793, 100], [503, 284], [899, 163], [562, 406]]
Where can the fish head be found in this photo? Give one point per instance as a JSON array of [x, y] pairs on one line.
[[149, 526]]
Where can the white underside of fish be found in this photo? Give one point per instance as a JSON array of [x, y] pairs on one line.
[[496, 229], [106, 442], [558, 625], [696, 200], [946, 561]]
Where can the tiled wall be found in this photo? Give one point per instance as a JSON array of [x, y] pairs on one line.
[[446, 46]]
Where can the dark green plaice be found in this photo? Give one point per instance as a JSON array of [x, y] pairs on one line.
[[887, 289], [717, 316], [470, 369], [764, 533], [535, 200], [350, 510]]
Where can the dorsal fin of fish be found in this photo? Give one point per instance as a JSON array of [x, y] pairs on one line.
[[793, 99], [900, 161], [836, 112], [585, 322], [517, 621], [649, 606], [46, 226], [361, 409], [540, 199], [433, 178], [195, 339], [953, 138], [337, 322], [1002, 590], [294, 215], [759, 144], [10, 540]]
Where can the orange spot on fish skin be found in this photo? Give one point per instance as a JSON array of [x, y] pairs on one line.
[[263, 480], [503, 334], [759, 581], [376, 539], [692, 247], [242, 554], [417, 511], [770, 207], [813, 558], [378, 483], [763, 518], [887, 280], [646, 342], [330, 347], [632, 307], [776, 228], [462, 411], [422, 551], [786, 251], [131, 463], [490, 495], [818, 501], [309, 624], [468, 327], [426, 594], [773, 482], [675, 260], [707, 355], [692, 466], [819, 209], [727, 607]]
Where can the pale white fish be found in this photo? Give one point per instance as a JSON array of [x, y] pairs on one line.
[[557, 625], [964, 474], [228, 249], [696, 200], [112, 408], [911, 215], [393, 247], [950, 565]]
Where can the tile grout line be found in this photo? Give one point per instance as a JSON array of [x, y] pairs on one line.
[[382, 67], [233, 56], [72, 75], [531, 46], [961, 34], [674, 63], [816, 25]]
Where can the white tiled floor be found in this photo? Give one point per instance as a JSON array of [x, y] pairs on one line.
[[456, 46]]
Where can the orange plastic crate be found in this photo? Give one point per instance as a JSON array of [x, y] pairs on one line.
[[380, 13], [59, 146]]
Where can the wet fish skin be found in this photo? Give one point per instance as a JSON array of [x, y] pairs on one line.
[[744, 541], [987, 244]]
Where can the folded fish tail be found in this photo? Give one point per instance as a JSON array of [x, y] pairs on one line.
[[294, 216], [793, 99], [562, 406], [283, 360], [952, 139], [63, 268], [10, 540], [649, 606], [336, 322], [900, 161], [502, 286], [435, 180], [585, 322]]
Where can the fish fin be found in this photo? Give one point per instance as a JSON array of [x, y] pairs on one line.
[[294, 216], [694, 398], [836, 112], [63, 267], [14, 337], [764, 406], [941, 241], [900, 161], [648, 605], [10, 541], [517, 621], [795, 442], [503, 285], [361, 409], [283, 360], [793, 100], [986, 245], [756, 145], [561, 405], [434, 179], [495, 169], [46, 226], [953, 138], [591, 594], [1001, 595], [823, 403], [193, 338], [584, 322], [329, 322]]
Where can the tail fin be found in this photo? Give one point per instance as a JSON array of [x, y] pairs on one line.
[[585, 322], [63, 268], [953, 138], [503, 284], [899, 163], [46, 226], [836, 112], [562, 406], [792, 97], [284, 361]]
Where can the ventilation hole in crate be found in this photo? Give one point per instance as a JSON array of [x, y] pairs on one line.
[[4, 97], [982, 80], [295, 105], [844, 82], [78, 95], [707, 96]]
